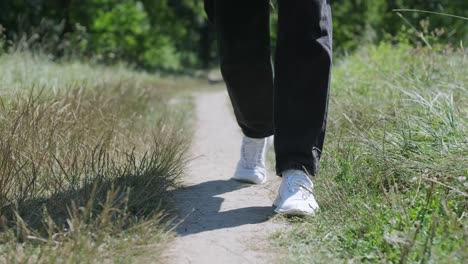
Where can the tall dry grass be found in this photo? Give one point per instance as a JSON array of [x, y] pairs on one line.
[[87, 156]]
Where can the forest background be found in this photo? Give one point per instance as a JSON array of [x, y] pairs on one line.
[[174, 35]]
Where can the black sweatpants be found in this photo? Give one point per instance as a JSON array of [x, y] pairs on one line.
[[288, 100]]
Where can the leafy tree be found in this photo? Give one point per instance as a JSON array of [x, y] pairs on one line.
[[174, 34], [152, 34], [356, 21]]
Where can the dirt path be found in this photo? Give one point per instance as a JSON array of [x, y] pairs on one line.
[[224, 221]]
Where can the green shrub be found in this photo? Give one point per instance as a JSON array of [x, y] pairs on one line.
[[163, 34]]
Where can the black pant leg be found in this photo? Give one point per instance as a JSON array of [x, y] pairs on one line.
[[303, 64], [242, 28]]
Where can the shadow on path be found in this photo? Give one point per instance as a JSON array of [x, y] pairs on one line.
[[203, 214]]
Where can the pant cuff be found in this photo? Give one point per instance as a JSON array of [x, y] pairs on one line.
[[311, 170], [251, 134]]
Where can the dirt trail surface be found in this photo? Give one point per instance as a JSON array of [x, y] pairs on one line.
[[223, 221]]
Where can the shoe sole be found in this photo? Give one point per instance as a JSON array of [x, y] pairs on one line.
[[245, 176], [295, 212], [244, 180]]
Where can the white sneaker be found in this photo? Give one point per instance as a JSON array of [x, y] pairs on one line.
[[251, 166], [295, 195]]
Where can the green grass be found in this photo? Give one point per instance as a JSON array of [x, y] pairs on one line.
[[394, 175], [87, 157]]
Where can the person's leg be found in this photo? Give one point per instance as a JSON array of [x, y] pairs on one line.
[[303, 63], [242, 29]]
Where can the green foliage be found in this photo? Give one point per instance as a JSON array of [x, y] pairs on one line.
[[124, 32], [161, 34], [358, 21], [355, 21], [175, 35]]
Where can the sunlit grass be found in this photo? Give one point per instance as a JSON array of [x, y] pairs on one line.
[[87, 156], [393, 181]]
